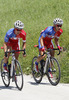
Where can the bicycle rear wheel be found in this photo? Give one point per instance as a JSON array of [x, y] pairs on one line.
[[55, 71], [5, 75], [18, 75], [36, 75]]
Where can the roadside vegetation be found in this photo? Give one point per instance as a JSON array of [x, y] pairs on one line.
[[36, 16]]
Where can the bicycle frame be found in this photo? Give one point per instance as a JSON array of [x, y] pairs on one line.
[[44, 66], [12, 64], [15, 65], [46, 62], [48, 56]]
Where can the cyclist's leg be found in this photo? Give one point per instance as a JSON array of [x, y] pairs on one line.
[[16, 55], [51, 45], [6, 58], [16, 47], [39, 58]]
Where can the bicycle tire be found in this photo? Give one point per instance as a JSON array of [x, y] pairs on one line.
[[56, 73], [37, 75], [18, 76], [5, 75]]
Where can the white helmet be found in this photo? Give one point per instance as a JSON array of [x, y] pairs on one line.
[[58, 21], [18, 24]]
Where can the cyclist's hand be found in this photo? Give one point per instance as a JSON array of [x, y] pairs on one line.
[[60, 48], [24, 53]]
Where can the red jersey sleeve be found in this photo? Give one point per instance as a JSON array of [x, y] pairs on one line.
[[23, 35], [58, 33]]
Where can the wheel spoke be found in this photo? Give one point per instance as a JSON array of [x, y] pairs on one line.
[[4, 75], [54, 74], [37, 75], [18, 76]]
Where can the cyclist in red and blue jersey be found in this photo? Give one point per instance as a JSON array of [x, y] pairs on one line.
[[12, 39], [46, 36]]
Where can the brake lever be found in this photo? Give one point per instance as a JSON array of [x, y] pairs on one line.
[[63, 49], [59, 52]]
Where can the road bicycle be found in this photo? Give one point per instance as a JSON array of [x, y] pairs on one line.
[[44, 66], [14, 71]]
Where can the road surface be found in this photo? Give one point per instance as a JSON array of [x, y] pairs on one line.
[[33, 91]]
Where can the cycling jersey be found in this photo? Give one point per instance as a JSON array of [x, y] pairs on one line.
[[13, 40], [12, 37], [48, 34]]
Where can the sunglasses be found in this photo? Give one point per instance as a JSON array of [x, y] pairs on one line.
[[59, 25], [18, 29]]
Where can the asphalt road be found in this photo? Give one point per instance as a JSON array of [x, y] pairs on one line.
[[33, 91]]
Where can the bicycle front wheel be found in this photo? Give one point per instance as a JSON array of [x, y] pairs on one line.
[[36, 75], [55, 73], [18, 75], [5, 75]]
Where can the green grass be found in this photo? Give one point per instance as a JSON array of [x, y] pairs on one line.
[[36, 16]]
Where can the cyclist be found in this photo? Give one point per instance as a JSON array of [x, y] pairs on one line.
[[45, 39], [12, 39]]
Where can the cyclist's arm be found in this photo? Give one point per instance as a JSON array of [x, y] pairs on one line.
[[57, 37], [5, 46], [41, 41], [23, 36], [24, 45], [24, 48], [43, 35], [6, 39], [56, 42]]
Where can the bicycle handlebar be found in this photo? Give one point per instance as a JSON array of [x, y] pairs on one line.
[[54, 49], [49, 49], [13, 51]]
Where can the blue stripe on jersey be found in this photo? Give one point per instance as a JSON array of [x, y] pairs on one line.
[[9, 34], [49, 32]]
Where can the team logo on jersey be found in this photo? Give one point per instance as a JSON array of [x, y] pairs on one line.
[[50, 36], [15, 38]]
